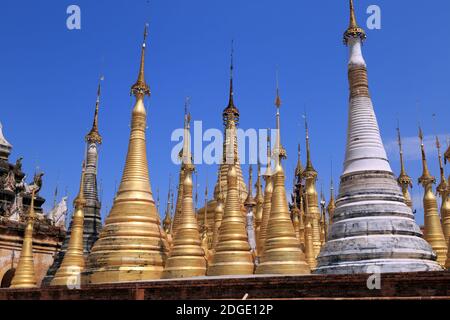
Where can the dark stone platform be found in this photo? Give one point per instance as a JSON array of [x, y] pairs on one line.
[[417, 285]]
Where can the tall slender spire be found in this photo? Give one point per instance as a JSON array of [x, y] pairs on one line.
[[167, 222], [281, 251], [231, 113], [73, 262], [141, 88], [268, 189], [309, 170], [131, 246], [24, 276], [187, 257], [443, 184], [444, 191], [403, 179], [369, 194], [331, 204], [433, 228], [94, 136]]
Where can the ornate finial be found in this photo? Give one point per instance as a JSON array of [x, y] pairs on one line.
[[353, 30], [141, 88], [280, 151], [403, 178], [309, 167], [443, 186], [93, 136], [426, 177], [231, 113]]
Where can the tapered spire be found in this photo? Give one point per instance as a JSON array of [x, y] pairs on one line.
[[132, 245], [403, 179], [25, 276], [231, 113], [167, 222], [267, 198], [353, 29], [299, 167], [311, 195], [443, 184], [250, 204], [444, 191], [141, 88], [94, 136], [187, 257], [281, 251], [73, 263], [433, 228], [259, 207]]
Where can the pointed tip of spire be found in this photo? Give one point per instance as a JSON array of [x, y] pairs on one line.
[[353, 30], [94, 136], [141, 88]]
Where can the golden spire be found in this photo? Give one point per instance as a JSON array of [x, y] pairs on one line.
[[323, 221], [24, 276], [331, 204], [187, 257], [353, 30], [131, 246], [94, 136], [281, 251], [280, 152], [443, 185], [73, 262], [444, 191], [426, 177], [311, 195], [404, 180], [232, 254], [299, 167], [141, 88], [309, 170], [433, 228], [295, 217], [267, 199], [231, 113]]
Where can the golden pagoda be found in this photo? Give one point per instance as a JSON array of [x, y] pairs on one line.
[[433, 228], [404, 180], [232, 254], [259, 198], [311, 196], [443, 189], [230, 116], [281, 252], [267, 199], [69, 273], [25, 277], [187, 257], [178, 205], [331, 205], [131, 245]]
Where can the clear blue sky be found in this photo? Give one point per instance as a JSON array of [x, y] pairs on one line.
[[48, 78]]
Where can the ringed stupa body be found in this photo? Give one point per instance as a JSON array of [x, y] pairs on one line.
[[372, 225]]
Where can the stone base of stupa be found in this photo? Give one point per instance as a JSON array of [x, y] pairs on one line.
[[419, 285], [374, 230]]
